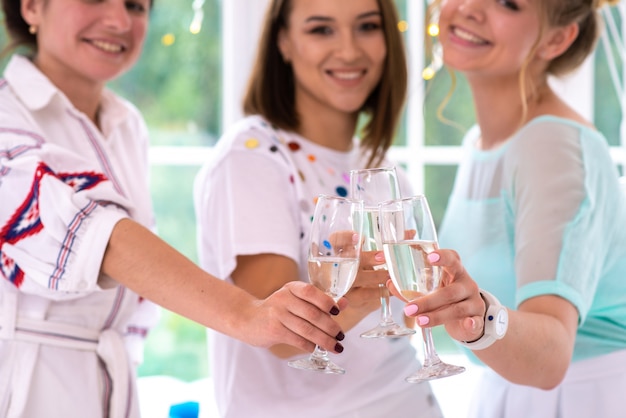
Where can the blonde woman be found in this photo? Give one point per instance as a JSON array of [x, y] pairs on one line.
[[537, 217]]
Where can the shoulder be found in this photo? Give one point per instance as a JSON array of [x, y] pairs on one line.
[[249, 133], [549, 146], [471, 136], [251, 140], [17, 127], [551, 137], [554, 129], [254, 136]]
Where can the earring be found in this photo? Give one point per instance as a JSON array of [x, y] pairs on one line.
[[32, 29]]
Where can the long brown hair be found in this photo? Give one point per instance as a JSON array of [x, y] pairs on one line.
[[271, 87], [17, 28]]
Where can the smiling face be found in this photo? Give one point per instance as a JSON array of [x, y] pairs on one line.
[[90, 42], [337, 52], [488, 37]]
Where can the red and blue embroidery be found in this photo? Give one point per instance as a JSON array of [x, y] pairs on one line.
[[82, 181], [26, 221]]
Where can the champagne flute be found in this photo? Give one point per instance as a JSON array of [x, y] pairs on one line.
[[372, 186], [409, 235], [333, 262]]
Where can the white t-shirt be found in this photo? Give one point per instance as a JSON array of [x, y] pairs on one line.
[[64, 184], [256, 195]]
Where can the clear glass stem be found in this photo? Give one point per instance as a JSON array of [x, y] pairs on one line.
[[430, 354], [319, 356], [385, 307]]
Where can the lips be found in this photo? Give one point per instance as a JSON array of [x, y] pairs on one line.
[[107, 46], [346, 75], [467, 36]]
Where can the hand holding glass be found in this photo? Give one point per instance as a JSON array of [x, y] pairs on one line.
[[373, 186], [334, 255], [409, 235]]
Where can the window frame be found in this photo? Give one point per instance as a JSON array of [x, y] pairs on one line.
[[238, 49]]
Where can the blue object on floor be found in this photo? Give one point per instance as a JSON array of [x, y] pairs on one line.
[[185, 410]]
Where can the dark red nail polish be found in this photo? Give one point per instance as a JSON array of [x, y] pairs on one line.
[[334, 311], [340, 336], [338, 348]]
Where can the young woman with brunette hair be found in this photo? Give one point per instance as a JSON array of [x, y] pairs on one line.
[[78, 262], [324, 68]]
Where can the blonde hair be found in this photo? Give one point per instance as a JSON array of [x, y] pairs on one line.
[[558, 13]]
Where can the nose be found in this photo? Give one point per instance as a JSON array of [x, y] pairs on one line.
[[116, 15], [348, 47], [472, 9]]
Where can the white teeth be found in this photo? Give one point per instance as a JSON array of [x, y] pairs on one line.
[[107, 46], [468, 36], [347, 76]]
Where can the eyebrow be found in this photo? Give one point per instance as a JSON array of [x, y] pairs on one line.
[[328, 19]]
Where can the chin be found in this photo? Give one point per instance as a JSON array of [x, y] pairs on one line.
[[351, 107]]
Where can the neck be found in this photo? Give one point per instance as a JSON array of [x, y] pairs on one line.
[[326, 126], [88, 104], [499, 107], [84, 95]]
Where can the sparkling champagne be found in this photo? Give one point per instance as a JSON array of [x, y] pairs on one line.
[[409, 268]]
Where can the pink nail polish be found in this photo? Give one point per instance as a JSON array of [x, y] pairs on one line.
[[379, 256], [433, 257], [410, 310], [423, 320]]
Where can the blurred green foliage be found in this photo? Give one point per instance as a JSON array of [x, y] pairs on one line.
[[176, 82]]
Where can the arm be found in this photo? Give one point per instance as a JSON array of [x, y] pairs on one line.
[[262, 274], [537, 348], [297, 314], [545, 181]]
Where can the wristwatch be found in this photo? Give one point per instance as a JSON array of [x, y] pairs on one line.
[[496, 323]]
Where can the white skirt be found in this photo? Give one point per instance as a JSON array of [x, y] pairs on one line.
[[592, 388]]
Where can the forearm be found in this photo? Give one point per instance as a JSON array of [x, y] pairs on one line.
[[145, 264], [538, 346], [534, 357], [537, 349]]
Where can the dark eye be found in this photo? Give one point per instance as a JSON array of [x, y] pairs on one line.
[[509, 4], [136, 6], [321, 30], [370, 26]]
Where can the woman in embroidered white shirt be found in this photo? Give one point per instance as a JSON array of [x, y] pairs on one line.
[[76, 249]]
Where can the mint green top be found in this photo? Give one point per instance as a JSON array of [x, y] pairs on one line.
[[544, 214]]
